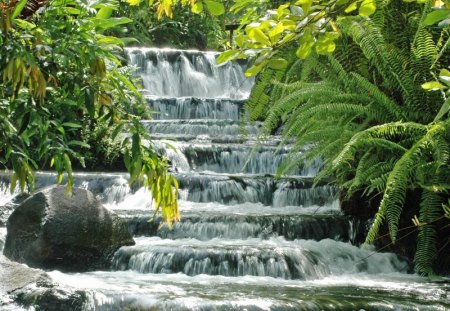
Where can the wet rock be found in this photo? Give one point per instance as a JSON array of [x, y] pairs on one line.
[[52, 230], [21, 285], [7, 209]]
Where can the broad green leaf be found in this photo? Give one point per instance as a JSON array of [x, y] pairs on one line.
[[276, 32], [24, 24], [353, 6], [226, 56], [110, 22], [255, 69], [13, 182], [304, 50], [278, 63], [109, 40], [67, 164], [436, 16], [214, 7], [257, 35], [239, 39], [368, 7], [289, 24], [305, 4], [19, 7], [444, 109], [433, 86], [197, 7], [282, 11], [296, 10], [287, 38], [105, 12], [306, 43]]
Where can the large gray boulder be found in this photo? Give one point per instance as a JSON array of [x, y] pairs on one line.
[[73, 233], [7, 209]]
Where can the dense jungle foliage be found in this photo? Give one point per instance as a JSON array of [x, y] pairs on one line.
[[62, 83]]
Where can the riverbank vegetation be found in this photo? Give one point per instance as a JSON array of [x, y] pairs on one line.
[[368, 92], [62, 80]]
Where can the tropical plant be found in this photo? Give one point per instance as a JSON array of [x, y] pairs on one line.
[[184, 30], [62, 75], [367, 113]]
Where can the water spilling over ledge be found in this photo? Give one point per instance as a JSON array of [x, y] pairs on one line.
[[246, 241], [182, 73]]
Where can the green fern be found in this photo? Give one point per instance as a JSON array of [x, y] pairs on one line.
[[364, 113], [430, 211]]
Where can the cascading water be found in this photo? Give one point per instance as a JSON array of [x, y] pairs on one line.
[[246, 241]]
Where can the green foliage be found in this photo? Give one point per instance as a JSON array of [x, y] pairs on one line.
[[370, 113], [184, 30], [61, 76]]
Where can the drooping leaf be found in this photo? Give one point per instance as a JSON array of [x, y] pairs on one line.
[[19, 7], [444, 109]]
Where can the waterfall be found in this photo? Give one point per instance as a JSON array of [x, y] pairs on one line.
[[246, 240]]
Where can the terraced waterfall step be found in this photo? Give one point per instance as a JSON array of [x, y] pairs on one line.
[[246, 240]]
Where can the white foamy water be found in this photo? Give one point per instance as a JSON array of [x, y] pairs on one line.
[[2, 238], [391, 291], [188, 73]]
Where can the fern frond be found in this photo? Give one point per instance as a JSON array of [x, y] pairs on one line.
[[430, 211], [399, 180], [389, 110]]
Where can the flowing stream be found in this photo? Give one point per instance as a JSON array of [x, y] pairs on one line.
[[246, 241]]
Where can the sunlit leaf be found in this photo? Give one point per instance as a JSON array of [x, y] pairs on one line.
[[257, 35], [433, 85], [353, 6], [214, 7], [105, 12], [255, 69], [368, 7], [197, 7], [19, 7], [226, 56]]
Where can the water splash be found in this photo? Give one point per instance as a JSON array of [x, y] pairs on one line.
[[188, 73]]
